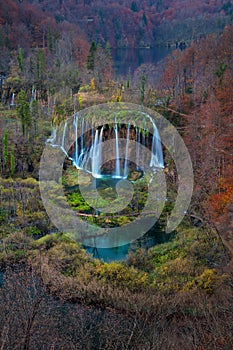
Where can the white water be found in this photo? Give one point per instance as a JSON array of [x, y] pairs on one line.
[[63, 147], [88, 147], [117, 171], [156, 148], [126, 170], [137, 147], [95, 155], [12, 99], [75, 123]]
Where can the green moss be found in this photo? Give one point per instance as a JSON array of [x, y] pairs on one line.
[[33, 231], [48, 241]]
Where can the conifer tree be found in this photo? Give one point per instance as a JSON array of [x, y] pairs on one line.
[[5, 148], [12, 163], [20, 59], [91, 57], [143, 82], [23, 111]]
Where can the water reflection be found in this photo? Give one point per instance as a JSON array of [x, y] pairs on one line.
[[154, 236], [126, 61]]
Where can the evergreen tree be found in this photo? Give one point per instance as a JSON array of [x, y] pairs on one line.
[[20, 59], [143, 82], [144, 19], [220, 72], [91, 57], [128, 83], [50, 40], [40, 65], [5, 148], [12, 163], [134, 6], [34, 113], [108, 50], [23, 111]]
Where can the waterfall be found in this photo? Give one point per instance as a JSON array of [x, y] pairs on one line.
[[137, 147], [100, 150], [144, 144], [82, 147], [33, 98], [64, 139], [88, 143], [82, 137], [126, 170], [95, 154], [12, 100], [156, 148], [76, 139], [117, 171]]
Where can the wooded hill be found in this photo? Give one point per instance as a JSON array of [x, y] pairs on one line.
[[122, 23]]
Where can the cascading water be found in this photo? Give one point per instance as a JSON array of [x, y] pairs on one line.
[[100, 150], [112, 142], [86, 150], [95, 155], [63, 147], [82, 136], [137, 146], [157, 153], [117, 171], [12, 104], [75, 123], [33, 96], [126, 170]]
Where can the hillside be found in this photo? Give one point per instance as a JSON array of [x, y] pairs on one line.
[[171, 292], [122, 23], [144, 23]]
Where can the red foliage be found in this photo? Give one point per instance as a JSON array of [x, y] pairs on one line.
[[105, 20], [200, 81], [218, 202]]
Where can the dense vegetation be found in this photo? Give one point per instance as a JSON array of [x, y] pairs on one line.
[[122, 23], [176, 295]]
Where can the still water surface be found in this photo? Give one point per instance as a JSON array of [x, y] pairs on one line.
[[155, 236], [126, 61]]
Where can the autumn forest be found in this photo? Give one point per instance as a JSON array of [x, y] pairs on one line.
[[57, 59]]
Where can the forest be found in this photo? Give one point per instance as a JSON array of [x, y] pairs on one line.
[[55, 60]]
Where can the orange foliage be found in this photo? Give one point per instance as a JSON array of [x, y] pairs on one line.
[[199, 81], [218, 202]]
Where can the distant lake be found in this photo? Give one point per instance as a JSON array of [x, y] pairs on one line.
[[126, 61]]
